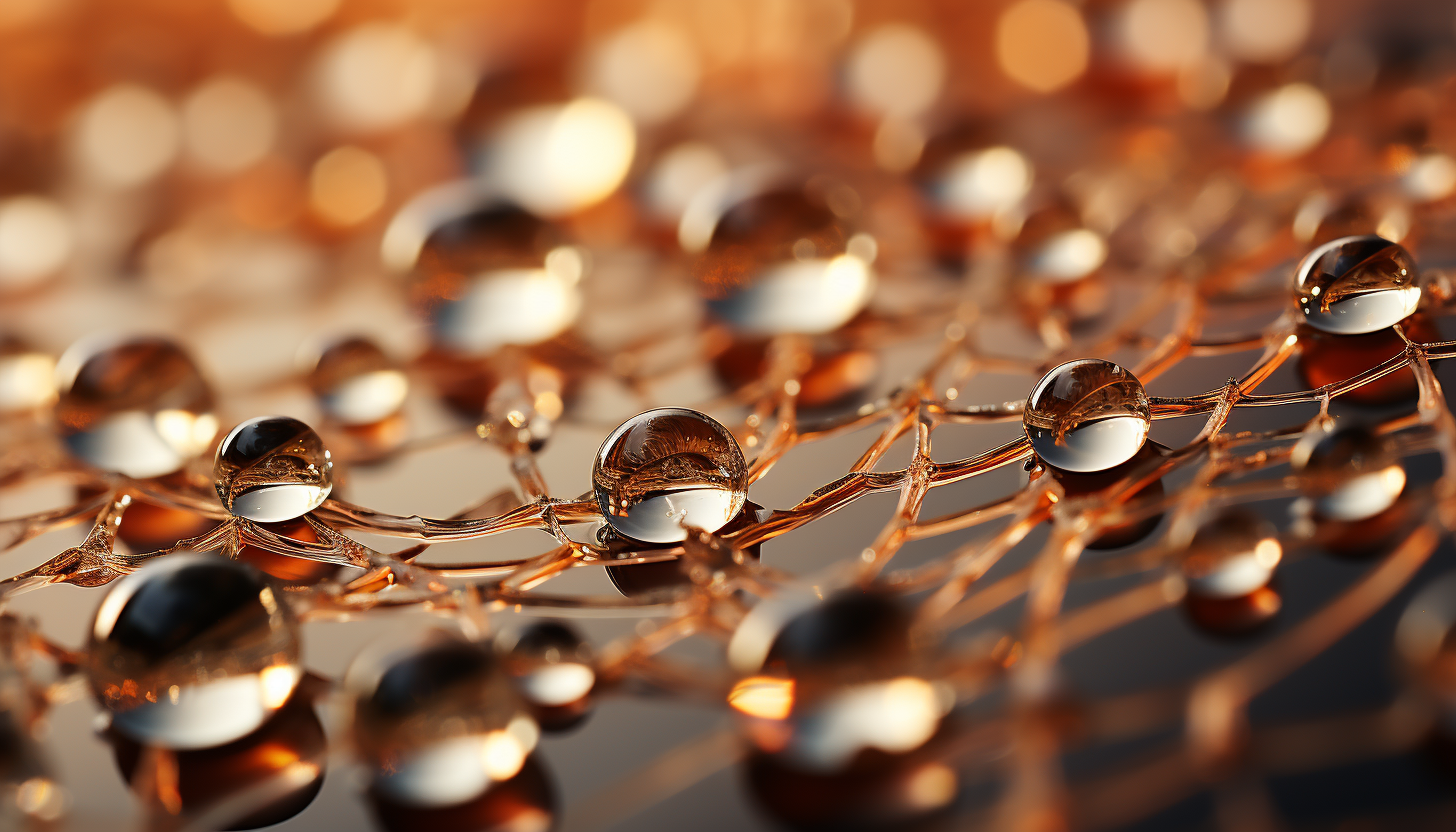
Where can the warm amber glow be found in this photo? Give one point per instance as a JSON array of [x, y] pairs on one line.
[[283, 17], [347, 186], [228, 124], [1264, 31], [35, 240], [896, 71], [377, 76], [1162, 35], [649, 69], [127, 135], [556, 160], [1042, 44], [277, 683], [765, 697]]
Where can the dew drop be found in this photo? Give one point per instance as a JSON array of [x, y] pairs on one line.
[[554, 672], [1087, 415], [1358, 477], [357, 383], [1355, 285], [273, 468]]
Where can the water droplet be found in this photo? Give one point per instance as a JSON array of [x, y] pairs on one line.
[[1358, 476], [1354, 285], [138, 407], [1053, 246], [665, 470], [438, 721], [1231, 555], [357, 383], [786, 260], [488, 274], [554, 672], [1087, 415], [273, 468], [525, 803], [192, 651]]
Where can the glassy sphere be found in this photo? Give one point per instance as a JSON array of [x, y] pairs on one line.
[[439, 721], [1053, 246], [138, 407], [1355, 285], [1359, 479], [192, 651], [290, 748], [782, 260], [357, 384], [524, 803], [27, 376], [1231, 555], [666, 470], [554, 671], [273, 468], [487, 274], [1087, 415]]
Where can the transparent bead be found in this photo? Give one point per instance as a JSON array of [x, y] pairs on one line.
[[554, 672], [785, 260], [138, 407], [1087, 415], [667, 470], [192, 651], [357, 384], [1356, 285], [967, 177], [1053, 246], [27, 377], [524, 803], [273, 468], [226, 782], [438, 722], [1231, 555], [489, 274], [1358, 477]]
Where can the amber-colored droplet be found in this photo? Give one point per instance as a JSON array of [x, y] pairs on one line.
[[1355, 285], [273, 468], [1087, 415]]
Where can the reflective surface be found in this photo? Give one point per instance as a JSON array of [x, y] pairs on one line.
[[1353, 285], [273, 468], [1087, 415]]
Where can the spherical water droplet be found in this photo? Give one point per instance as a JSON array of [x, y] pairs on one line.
[[192, 651], [1231, 555], [785, 260], [439, 721], [357, 383], [1359, 477], [1357, 284], [968, 178], [554, 672], [666, 470], [524, 803], [138, 407], [1054, 246], [487, 274], [273, 468], [1087, 415]]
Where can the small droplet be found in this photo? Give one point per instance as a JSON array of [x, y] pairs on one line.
[[1087, 415], [138, 407], [192, 651], [667, 470], [524, 803], [357, 383], [1359, 478], [1355, 285], [1227, 568], [1053, 246], [784, 260], [554, 672], [439, 721], [273, 468]]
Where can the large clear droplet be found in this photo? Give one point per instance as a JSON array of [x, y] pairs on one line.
[[1355, 285], [273, 468], [139, 407], [1358, 478], [667, 470], [1087, 415], [439, 722], [192, 651], [357, 383], [785, 260]]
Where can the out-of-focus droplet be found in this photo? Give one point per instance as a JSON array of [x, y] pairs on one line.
[[832, 376], [357, 383], [1042, 44], [1160, 36], [376, 76], [784, 260], [1227, 568], [667, 470], [438, 722], [1425, 642], [1361, 477], [1332, 359], [30, 797], [127, 135], [192, 651], [280, 18], [27, 377], [1264, 31], [679, 175], [559, 159], [1356, 285], [524, 803], [36, 241], [138, 407], [273, 468], [554, 671], [228, 124], [487, 274], [1321, 218], [1431, 177], [893, 794], [648, 68], [895, 71], [977, 183], [1087, 415], [347, 186], [1287, 121], [289, 749], [1054, 246]]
